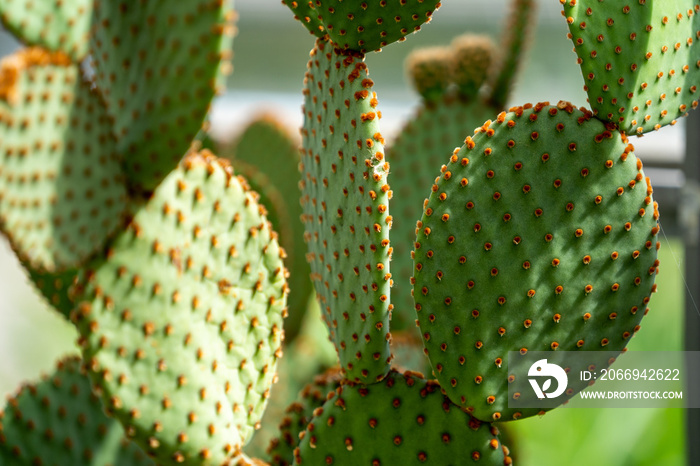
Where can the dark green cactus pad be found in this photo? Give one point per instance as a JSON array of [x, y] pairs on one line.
[[60, 25], [62, 192], [158, 64], [540, 234], [640, 60], [345, 198], [426, 141], [181, 323], [267, 155], [363, 26], [298, 414], [56, 288], [402, 420], [58, 421]]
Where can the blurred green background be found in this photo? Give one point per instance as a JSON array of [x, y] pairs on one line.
[[270, 55]]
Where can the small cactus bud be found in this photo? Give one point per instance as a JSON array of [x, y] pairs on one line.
[[472, 59], [428, 69]]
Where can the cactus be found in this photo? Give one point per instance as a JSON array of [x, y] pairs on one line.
[[410, 421], [552, 247], [345, 198], [642, 70], [155, 124], [60, 421], [61, 197], [181, 322], [363, 27], [57, 26], [527, 229]]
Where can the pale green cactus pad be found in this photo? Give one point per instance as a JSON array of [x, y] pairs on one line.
[[59, 421], [345, 197], [58, 25], [157, 95], [181, 322], [640, 60], [539, 235], [62, 191], [402, 420]]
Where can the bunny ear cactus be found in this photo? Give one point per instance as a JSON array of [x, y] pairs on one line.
[[58, 26], [639, 60], [345, 199], [60, 421], [135, 52], [61, 184], [181, 322], [540, 234]]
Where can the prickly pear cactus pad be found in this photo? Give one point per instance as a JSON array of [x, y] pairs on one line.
[[423, 144], [345, 198], [640, 60], [58, 421], [56, 25], [540, 234], [61, 188], [364, 26], [157, 95], [402, 420], [181, 323]]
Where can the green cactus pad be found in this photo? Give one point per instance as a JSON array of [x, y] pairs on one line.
[[58, 421], [345, 199], [540, 234], [158, 64], [639, 60], [181, 323], [424, 143], [267, 155], [59, 26], [61, 188], [305, 12], [298, 414], [364, 26], [403, 420]]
